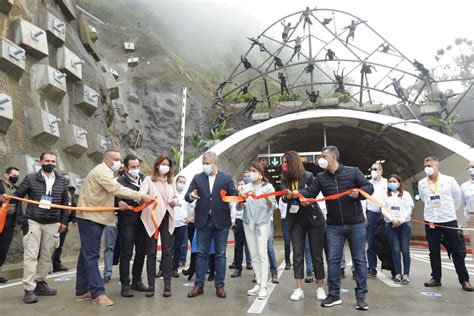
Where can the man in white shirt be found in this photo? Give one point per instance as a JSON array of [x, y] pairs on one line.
[[373, 215], [239, 237], [442, 197], [467, 197]]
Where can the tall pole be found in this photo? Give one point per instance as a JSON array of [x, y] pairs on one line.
[[183, 124]]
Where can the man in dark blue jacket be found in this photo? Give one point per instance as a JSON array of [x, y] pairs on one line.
[[212, 220], [345, 220]]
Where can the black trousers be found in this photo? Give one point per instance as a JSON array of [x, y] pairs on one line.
[[240, 243], [316, 244], [56, 258], [166, 251], [6, 237], [132, 234], [178, 236], [433, 236]]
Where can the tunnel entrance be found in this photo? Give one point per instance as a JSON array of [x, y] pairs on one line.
[[362, 138]]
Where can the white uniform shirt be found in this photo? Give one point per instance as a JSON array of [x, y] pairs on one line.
[[398, 208], [380, 192], [441, 199], [235, 213], [467, 196], [282, 207], [182, 210], [49, 182]]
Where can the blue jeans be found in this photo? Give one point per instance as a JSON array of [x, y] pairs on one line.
[[372, 219], [271, 251], [110, 238], [307, 256], [88, 277], [286, 238], [336, 236], [399, 239], [204, 236]]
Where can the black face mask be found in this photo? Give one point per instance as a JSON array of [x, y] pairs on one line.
[[13, 179], [48, 168]]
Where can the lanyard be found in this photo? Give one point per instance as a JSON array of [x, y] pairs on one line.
[[294, 185], [434, 187]]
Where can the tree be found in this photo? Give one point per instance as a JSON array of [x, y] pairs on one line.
[[456, 61]]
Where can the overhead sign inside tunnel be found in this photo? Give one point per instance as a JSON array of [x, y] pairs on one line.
[[275, 160]]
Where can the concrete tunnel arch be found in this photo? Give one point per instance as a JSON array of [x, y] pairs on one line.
[[361, 137]]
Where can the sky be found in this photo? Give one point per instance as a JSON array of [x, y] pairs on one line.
[[418, 28]]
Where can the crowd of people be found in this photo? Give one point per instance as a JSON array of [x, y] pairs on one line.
[[316, 232]]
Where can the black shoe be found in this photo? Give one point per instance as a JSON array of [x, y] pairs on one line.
[[126, 291], [3, 280], [275, 277], [353, 275], [139, 286], [371, 274], [331, 300], [61, 268], [288, 266], [236, 274], [343, 273], [309, 277], [211, 277], [167, 291], [150, 292], [159, 275], [232, 266], [185, 272], [190, 276], [30, 297], [175, 274], [106, 279], [362, 304], [249, 267]]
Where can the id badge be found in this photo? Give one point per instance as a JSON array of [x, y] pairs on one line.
[[395, 209], [46, 199], [435, 200], [294, 209]]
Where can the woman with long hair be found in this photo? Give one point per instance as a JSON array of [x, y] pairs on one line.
[[257, 220], [159, 184], [399, 206], [301, 219]]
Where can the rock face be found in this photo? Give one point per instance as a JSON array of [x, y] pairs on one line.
[[135, 109]]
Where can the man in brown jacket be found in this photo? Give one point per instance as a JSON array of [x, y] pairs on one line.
[[98, 190]]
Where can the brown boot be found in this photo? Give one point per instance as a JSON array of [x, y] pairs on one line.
[[466, 286], [220, 292], [432, 283], [196, 291], [42, 289]]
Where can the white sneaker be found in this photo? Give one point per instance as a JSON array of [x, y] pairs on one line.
[[297, 295], [320, 294], [254, 291], [262, 294]]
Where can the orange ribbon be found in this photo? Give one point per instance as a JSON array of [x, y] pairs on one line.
[[226, 198], [4, 209]]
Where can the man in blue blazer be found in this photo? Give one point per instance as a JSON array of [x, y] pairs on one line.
[[212, 220]]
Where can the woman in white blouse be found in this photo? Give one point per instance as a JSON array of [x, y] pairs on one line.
[[257, 220], [467, 195], [160, 185], [397, 213]]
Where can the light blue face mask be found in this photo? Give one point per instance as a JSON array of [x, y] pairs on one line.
[[393, 186], [207, 169]]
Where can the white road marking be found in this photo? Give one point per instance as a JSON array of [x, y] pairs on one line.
[[52, 275], [382, 277], [258, 305]]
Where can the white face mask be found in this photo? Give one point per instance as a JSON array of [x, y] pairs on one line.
[[374, 174], [116, 166], [323, 163], [471, 171], [164, 169], [135, 173], [180, 186], [253, 176], [207, 169], [429, 171]]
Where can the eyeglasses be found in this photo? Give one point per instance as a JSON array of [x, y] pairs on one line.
[[374, 169]]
